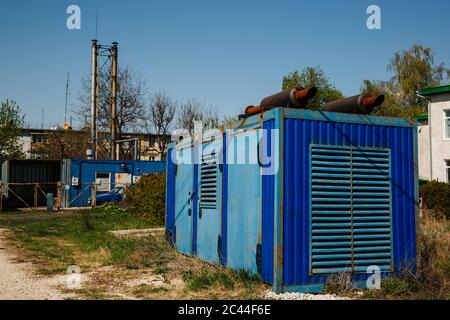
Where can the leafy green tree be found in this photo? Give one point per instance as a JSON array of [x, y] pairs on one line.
[[413, 69], [11, 122], [313, 77]]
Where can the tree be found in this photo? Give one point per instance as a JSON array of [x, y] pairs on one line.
[[66, 144], [131, 109], [313, 77], [229, 122], [392, 105], [162, 113], [11, 122], [413, 69], [194, 110]]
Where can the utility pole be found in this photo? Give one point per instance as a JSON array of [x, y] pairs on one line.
[[114, 101], [94, 100]]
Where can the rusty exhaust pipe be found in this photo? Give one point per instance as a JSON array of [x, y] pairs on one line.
[[359, 104], [295, 98]]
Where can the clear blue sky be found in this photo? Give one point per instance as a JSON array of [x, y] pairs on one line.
[[227, 53]]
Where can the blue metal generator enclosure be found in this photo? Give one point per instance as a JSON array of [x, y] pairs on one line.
[[78, 176], [298, 196]]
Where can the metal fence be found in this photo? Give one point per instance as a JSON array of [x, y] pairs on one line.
[[32, 196]]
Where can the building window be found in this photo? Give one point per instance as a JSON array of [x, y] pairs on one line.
[[447, 124], [447, 170], [103, 181]]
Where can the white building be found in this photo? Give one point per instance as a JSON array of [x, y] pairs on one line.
[[434, 135]]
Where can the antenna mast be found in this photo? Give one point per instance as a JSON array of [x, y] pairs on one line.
[[100, 79], [65, 108]]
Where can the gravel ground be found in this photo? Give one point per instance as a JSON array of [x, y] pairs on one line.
[[301, 296], [18, 281]]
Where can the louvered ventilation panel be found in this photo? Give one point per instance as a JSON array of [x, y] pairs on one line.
[[208, 182], [350, 209]]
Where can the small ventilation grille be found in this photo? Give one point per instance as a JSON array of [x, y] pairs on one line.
[[208, 182], [350, 209]]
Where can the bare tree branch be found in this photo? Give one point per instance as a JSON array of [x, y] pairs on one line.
[[161, 116], [131, 109]]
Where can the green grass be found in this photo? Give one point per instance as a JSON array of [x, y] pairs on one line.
[[85, 239], [218, 277], [55, 241]]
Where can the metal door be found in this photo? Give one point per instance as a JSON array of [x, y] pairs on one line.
[[209, 200], [184, 194], [244, 196]]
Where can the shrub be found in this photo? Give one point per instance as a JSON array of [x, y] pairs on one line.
[[436, 198], [148, 196]]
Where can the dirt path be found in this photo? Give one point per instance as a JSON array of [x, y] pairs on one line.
[[18, 281]]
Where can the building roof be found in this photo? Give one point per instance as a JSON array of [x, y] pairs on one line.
[[434, 90], [422, 116]]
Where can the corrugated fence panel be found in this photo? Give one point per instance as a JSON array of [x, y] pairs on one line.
[[299, 135], [268, 185], [45, 172]]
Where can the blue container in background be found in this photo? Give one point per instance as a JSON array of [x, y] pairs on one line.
[[77, 177], [298, 196]]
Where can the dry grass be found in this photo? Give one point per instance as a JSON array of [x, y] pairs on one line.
[[123, 268], [432, 280], [434, 257], [147, 268]]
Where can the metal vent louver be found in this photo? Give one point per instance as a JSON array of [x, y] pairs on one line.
[[208, 181], [350, 209]]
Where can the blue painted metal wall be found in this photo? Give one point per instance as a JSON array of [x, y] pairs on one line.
[[268, 205], [274, 210], [210, 202], [185, 195], [243, 204], [170, 197], [85, 170], [298, 136], [224, 211]]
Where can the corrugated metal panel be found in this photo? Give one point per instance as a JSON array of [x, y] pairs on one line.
[[45, 172], [31, 171], [65, 183], [224, 229], [299, 134], [268, 188], [350, 226], [170, 196]]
